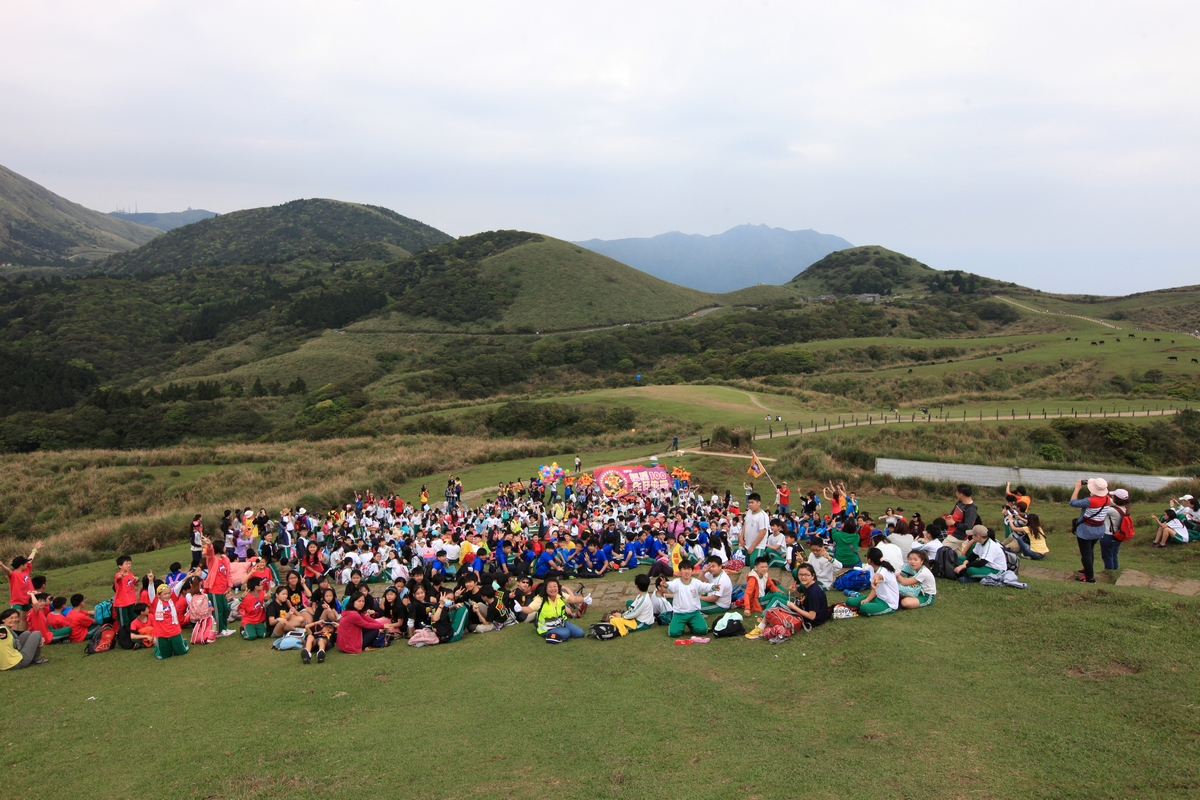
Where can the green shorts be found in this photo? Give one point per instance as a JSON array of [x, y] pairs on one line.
[[169, 646], [925, 599], [20, 607], [257, 630]]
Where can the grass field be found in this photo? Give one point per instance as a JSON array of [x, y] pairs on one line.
[[1058, 691]]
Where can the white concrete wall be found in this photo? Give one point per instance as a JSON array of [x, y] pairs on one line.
[[998, 476]]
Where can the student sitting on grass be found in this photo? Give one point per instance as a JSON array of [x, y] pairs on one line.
[[18, 650], [639, 613], [982, 556], [552, 622], [918, 587], [1170, 529], [762, 593], [775, 545], [1031, 538], [356, 629], [684, 594], [38, 619], [720, 599], [884, 597], [168, 638], [253, 611], [80, 621], [141, 629], [822, 565], [846, 543], [813, 607]]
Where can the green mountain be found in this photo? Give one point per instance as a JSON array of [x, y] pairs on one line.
[[279, 233], [527, 281], [39, 228], [872, 269], [165, 222]]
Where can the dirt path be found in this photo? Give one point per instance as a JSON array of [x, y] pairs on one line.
[[1051, 313]]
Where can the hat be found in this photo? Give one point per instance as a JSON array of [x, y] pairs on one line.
[[979, 530], [1120, 494], [1097, 487], [1185, 497], [303, 511]]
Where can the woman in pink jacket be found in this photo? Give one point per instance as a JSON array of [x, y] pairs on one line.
[[355, 629]]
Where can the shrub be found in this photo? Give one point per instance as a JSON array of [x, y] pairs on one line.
[[1052, 452]]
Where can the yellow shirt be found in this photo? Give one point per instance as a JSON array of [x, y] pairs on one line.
[[10, 656]]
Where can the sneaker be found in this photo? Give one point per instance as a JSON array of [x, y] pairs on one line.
[[499, 626], [226, 632], [305, 656], [41, 661], [623, 569], [1084, 579], [320, 656]]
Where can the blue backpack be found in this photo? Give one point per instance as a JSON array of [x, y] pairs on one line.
[[738, 592], [103, 612], [856, 580]]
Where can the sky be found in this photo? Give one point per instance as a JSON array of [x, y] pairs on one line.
[[1056, 145]]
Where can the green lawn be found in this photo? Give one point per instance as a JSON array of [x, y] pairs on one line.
[[1062, 690]]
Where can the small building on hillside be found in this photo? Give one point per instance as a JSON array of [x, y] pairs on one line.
[[866, 298]]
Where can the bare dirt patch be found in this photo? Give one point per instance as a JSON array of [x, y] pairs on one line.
[[1113, 669]]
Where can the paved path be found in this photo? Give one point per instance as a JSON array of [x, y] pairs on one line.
[[916, 419]]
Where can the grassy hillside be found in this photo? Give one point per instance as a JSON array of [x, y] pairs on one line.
[[877, 270], [37, 227], [563, 285], [279, 233]]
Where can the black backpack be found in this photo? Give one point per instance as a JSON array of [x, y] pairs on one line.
[[944, 563], [603, 631], [733, 627]]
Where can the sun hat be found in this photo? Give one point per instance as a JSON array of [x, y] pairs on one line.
[[1097, 487], [979, 530], [1120, 494]]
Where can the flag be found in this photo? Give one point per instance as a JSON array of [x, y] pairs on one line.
[[756, 467]]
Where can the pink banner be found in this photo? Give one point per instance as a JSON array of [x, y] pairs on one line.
[[631, 480]]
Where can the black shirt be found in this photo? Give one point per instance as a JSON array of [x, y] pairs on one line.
[[814, 600]]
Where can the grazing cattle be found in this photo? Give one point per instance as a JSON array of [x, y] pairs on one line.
[[1101, 341], [1093, 343], [998, 358], [1144, 339], [1077, 338], [1195, 361], [1172, 358], [1131, 336], [1172, 341], [1156, 341], [1068, 338], [910, 370]]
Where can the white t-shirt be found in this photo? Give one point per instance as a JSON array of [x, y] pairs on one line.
[[723, 587], [754, 531], [825, 568], [905, 543], [993, 553], [775, 541], [641, 610], [931, 547], [928, 584], [687, 597], [887, 589], [891, 554]]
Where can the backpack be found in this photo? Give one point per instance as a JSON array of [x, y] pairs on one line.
[[856, 580], [944, 563], [729, 625], [783, 619], [1125, 532], [738, 592], [292, 640], [1012, 560], [603, 631], [103, 612], [101, 640]]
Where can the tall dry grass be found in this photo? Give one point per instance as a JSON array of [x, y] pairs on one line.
[[89, 504]]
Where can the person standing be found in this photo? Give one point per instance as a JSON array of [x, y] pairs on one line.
[[20, 585], [1089, 527], [783, 499], [755, 529], [578, 465], [1110, 545], [218, 584]]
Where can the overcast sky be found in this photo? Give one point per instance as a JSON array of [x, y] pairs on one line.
[[1056, 145]]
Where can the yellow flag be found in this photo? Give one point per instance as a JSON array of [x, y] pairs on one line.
[[756, 467]]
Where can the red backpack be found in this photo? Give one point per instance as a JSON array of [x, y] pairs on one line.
[[101, 641], [1125, 532]]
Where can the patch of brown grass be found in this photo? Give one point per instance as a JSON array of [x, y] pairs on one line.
[[1112, 669]]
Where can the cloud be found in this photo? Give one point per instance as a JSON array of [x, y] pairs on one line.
[[1021, 140]]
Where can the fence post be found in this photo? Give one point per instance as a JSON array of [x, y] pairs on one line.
[[785, 428], [770, 432]]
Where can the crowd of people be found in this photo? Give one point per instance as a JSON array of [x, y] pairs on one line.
[[380, 570]]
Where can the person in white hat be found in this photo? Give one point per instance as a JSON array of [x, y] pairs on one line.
[[1089, 527], [1110, 545]]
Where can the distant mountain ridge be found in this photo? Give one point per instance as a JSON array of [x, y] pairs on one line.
[[741, 256], [168, 221], [39, 228], [280, 233]]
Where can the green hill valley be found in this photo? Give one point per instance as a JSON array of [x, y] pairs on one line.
[[39, 228]]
